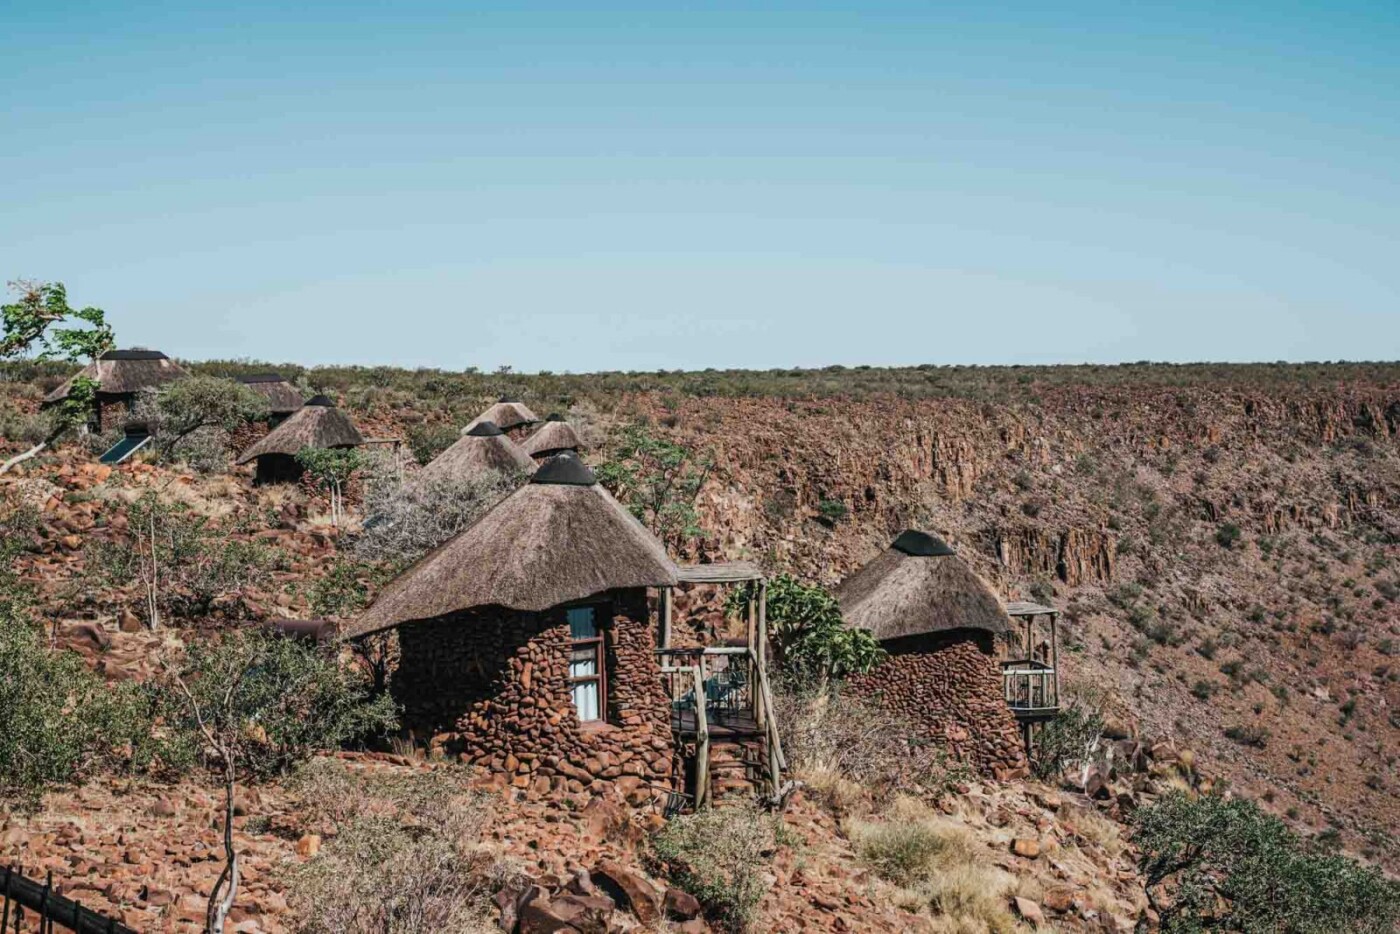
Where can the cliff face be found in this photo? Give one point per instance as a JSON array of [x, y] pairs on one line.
[[1229, 560]]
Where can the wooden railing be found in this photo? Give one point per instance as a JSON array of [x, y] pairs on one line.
[[733, 684], [1028, 684], [18, 892]]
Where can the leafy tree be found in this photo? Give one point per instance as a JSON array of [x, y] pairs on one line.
[[1222, 864], [428, 441], [658, 480], [32, 325], [807, 634], [183, 564], [257, 704], [200, 402], [1069, 740], [331, 469]]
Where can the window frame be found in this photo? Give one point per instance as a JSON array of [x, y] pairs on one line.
[[598, 644]]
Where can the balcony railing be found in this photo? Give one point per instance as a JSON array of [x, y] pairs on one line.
[[1030, 686]]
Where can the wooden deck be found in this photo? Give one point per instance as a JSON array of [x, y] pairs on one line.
[[721, 723]]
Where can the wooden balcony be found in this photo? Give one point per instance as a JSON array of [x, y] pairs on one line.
[[1031, 689]]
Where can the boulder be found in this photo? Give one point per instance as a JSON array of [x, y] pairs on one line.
[[635, 891]]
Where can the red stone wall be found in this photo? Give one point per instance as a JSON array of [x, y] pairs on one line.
[[492, 686], [950, 688]]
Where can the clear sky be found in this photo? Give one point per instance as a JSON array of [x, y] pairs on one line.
[[663, 185]]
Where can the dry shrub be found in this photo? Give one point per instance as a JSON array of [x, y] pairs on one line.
[[408, 520], [937, 866], [404, 854], [844, 749]]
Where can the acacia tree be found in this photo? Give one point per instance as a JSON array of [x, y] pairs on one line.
[[32, 326], [331, 469], [257, 704], [200, 402]]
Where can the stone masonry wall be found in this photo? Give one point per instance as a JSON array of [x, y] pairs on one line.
[[492, 686], [947, 686]]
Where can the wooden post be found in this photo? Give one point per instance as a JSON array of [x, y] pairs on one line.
[[763, 623], [1055, 653], [665, 617]]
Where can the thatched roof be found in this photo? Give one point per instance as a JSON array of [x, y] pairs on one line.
[[553, 436], [119, 372], [919, 585], [319, 424], [282, 397], [482, 448], [506, 414], [561, 537]]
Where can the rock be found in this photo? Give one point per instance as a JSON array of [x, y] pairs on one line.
[[309, 845], [1029, 911], [128, 621], [637, 893], [681, 906], [1028, 848], [89, 635], [164, 807], [1058, 900]]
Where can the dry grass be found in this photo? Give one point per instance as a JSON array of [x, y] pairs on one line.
[[937, 866]]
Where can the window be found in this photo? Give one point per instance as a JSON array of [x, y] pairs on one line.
[[587, 677]]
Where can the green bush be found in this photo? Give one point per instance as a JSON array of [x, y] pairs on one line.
[[428, 441], [1228, 535], [1216, 863], [1065, 742], [658, 480], [61, 722], [720, 855], [809, 639]]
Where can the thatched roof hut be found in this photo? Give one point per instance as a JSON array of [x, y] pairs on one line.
[[561, 537], [124, 373], [506, 414], [484, 447], [318, 424], [553, 437], [917, 586], [282, 397]]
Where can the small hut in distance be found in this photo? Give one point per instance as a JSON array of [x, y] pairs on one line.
[[939, 623], [120, 375], [282, 397], [553, 437], [510, 415], [318, 424], [481, 448]]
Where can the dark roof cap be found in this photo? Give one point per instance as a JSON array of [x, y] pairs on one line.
[[321, 399], [922, 545], [564, 470], [134, 355], [484, 430]]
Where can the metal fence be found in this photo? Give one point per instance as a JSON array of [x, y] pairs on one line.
[[31, 907]]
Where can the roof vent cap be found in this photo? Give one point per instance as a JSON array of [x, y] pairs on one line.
[[564, 470], [922, 545]]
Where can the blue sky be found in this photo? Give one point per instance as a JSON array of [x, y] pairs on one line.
[[642, 186]]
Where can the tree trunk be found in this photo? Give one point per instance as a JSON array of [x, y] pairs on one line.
[[21, 458], [217, 912]]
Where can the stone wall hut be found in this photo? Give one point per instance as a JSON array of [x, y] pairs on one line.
[[510, 415], [526, 643], [553, 437], [939, 622], [318, 424], [481, 448], [121, 375], [283, 398]]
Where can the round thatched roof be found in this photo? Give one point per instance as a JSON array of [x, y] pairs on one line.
[[282, 397], [120, 372], [484, 447], [561, 537], [919, 585], [318, 424], [553, 436], [506, 414]]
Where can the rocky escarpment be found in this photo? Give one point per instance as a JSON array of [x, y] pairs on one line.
[[1228, 559]]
